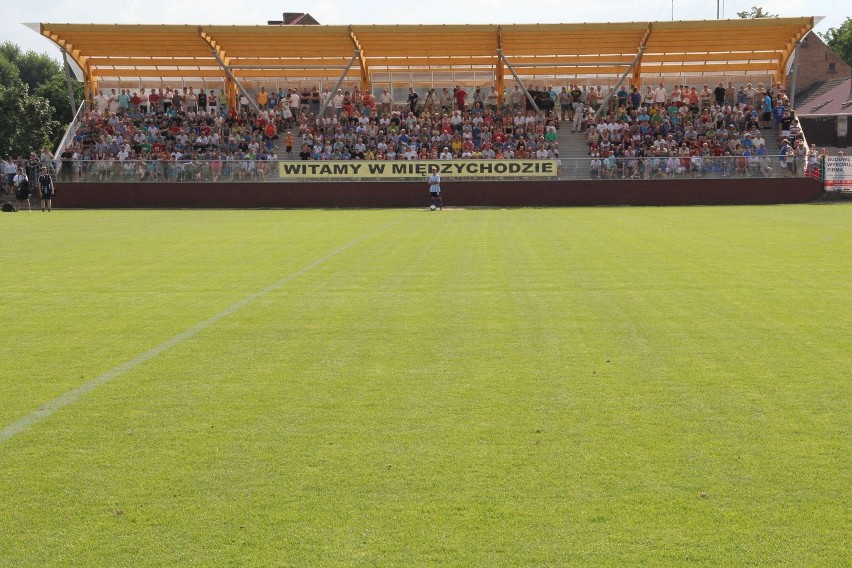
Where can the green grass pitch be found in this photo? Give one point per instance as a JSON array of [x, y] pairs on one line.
[[529, 387]]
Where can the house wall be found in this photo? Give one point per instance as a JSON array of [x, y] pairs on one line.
[[815, 64]]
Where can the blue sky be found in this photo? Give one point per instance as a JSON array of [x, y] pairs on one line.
[[227, 12]]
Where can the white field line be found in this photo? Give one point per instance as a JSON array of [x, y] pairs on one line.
[[48, 409]]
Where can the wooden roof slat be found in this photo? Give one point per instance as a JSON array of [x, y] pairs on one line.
[[293, 50], [733, 23], [573, 33], [521, 70], [360, 30], [273, 30], [658, 57], [710, 67], [289, 61], [693, 45], [158, 62], [155, 52], [596, 27], [158, 73], [483, 60], [353, 73]]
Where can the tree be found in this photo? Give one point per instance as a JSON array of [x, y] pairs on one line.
[[26, 121], [9, 74], [34, 105], [10, 50], [840, 40], [755, 12], [55, 90], [33, 68], [37, 68]]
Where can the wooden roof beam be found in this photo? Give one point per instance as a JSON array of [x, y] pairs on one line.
[[637, 65], [80, 59], [789, 49], [366, 79]]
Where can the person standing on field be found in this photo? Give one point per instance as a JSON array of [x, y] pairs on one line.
[[22, 189], [46, 184], [435, 189]]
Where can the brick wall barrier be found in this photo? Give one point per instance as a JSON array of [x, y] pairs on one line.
[[701, 191]]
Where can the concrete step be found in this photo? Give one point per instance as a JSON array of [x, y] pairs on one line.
[[572, 144], [770, 137]]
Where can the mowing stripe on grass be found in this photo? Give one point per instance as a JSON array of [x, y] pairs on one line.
[[47, 410]]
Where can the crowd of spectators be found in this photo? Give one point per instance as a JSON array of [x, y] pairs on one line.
[[168, 134], [689, 132], [137, 134], [444, 127], [183, 133], [13, 170]]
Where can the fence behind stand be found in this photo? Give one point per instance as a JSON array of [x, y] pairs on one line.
[[296, 171]]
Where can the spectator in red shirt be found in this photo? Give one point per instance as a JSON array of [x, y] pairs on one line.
[[460, 95]]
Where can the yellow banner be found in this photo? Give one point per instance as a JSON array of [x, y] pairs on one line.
[[448, 169]]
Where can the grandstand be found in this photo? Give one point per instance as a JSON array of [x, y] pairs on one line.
[[231, 103]]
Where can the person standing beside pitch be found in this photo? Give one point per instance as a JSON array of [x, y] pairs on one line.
[[46, 184], [22, 189], [435, 190]]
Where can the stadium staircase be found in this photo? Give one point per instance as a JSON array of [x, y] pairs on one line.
[[771, 139], [571, 147]]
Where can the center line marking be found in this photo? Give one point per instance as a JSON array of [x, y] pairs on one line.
[[46, 410]]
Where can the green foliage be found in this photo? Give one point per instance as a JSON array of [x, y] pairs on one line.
[[755, 12], [55, 90], [27, 121], [527, 387], [37, 68], [34, 100], [840, 40], [10, 50], [9, 74]]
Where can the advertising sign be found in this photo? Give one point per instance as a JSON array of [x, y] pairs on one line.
[[449, 169], [838, 173]]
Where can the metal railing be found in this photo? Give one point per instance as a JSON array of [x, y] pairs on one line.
[[71, 131], [593, 168]]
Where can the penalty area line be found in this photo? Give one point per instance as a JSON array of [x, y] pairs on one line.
[[48, 409]]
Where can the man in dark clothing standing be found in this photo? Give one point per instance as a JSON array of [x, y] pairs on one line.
[[719, 93], [46, 184], [413, 97]]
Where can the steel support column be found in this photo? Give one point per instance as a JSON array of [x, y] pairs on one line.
[[252, 103], [515, 75], [794, 74], [339, 82], [605, 103], [67, 67], [499, 72], [633, 65]]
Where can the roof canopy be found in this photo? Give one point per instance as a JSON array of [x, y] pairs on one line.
[[257, 53]]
